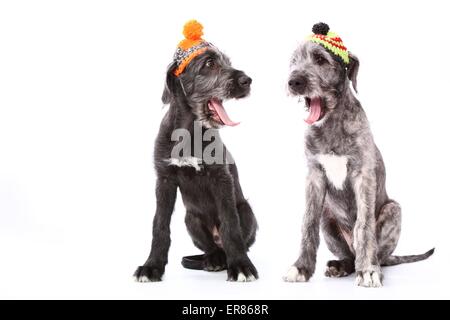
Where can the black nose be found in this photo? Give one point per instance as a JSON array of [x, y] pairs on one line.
[[244, 81], [298, 84]]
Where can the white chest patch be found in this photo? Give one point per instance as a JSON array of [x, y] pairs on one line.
[[186, 162], [335, 168]]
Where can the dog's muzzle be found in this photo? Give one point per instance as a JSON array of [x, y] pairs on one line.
[[241, 85], [298, 84]]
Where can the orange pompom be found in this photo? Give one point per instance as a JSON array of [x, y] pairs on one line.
[[193, 30]]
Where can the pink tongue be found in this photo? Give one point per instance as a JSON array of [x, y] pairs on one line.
[[314, 111], [218, 107]]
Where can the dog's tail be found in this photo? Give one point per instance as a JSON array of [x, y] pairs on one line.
[[394, 260], [194, 262]]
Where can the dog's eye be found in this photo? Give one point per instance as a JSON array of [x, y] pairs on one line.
[[210, 63], [319, 59]]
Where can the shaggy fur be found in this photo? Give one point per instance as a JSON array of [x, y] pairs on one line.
[[218, 217], [345, 187]]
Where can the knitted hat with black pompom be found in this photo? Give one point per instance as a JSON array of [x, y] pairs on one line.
[[329, 40]]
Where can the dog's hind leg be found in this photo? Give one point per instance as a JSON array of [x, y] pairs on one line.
[[388, 229], [246, 217], [388, 233], [200, 233], [206, 240], [339, 245], [340, 268], [248, 222]]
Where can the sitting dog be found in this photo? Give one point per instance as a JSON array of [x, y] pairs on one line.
[[218, 217], [345, 187]]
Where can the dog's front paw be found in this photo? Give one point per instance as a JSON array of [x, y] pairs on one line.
[[148, 274], [369, 279], [296, 274], [242, 270]]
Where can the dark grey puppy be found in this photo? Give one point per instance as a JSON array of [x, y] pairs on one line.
[[218, 217], [345, 187]]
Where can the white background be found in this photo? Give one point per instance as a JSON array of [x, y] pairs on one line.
[[80, 87]]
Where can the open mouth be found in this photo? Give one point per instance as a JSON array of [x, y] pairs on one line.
[[315, 108], [217, 112]]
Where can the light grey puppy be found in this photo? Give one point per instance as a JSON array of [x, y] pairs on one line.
[[345, 187]]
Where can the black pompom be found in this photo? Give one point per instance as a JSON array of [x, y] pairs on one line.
[[321, 28]]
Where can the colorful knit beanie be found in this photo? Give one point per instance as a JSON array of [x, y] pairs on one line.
[[190, 47], [329, 40]]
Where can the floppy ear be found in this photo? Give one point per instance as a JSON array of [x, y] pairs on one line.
[[352, 70], [169, 86]]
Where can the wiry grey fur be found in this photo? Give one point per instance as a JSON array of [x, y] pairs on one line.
[[360, 223], [218, 217]]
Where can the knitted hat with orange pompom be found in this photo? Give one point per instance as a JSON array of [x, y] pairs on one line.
[[190, 47]]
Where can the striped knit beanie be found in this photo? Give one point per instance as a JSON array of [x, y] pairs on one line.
[[329, 40]]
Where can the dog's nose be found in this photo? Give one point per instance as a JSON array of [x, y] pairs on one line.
[[245, 81], [298, 84]]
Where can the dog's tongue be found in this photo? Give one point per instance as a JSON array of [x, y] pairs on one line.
[[216, 104], [315, 109]]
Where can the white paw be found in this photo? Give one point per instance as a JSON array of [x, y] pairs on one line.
[[242, 278], [141, 279], [293, 275], [369, 279]]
